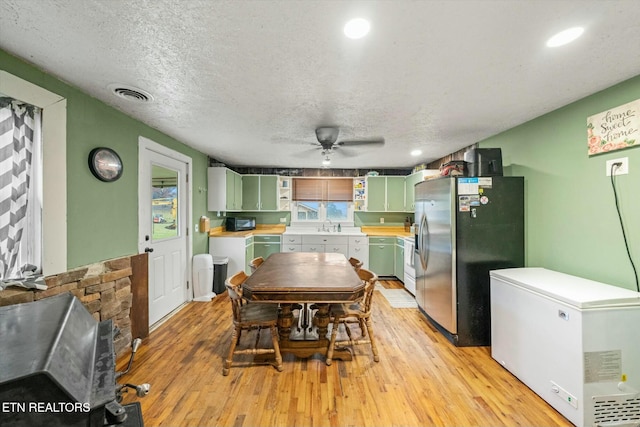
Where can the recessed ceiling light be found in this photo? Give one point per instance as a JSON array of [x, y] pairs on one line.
[[416, 153], [357, 28], [564, 37]]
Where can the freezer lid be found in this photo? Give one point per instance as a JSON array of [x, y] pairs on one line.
[[572, 290]]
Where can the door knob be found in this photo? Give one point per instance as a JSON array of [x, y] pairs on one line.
[[148, 249]]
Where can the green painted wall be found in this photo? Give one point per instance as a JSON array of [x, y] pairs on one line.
[[391, 219], [571, 221], [102, 218]]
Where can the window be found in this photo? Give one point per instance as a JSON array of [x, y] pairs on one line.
[[164, 202], [308, 211], [54, 190], [338, 211], [20, 190]]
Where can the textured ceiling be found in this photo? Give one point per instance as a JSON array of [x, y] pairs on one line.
[[247, 82]]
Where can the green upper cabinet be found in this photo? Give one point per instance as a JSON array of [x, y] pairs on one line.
[[224, 190], [385, 193], [234, 191], [259, 193], [237, 191], [251, 193], [269, 193], [410, 191], [395, 193], [376, 193]]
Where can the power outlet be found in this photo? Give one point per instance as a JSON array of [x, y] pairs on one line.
[[283, 220], [620, 170], [381, 220]]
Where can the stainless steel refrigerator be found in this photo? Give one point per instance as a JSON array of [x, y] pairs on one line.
[[466, 227]]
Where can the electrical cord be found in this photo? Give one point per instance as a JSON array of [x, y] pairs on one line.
[[624, 234]]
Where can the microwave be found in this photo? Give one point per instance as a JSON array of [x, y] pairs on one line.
[[240, 223]]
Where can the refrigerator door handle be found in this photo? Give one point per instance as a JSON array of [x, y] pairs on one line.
[[424, 238]]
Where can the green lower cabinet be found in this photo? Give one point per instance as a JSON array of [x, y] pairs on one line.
[[248, 255], [399, 260], [381, 255], [265, 246]]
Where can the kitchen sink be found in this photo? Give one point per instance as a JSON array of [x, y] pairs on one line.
[[346, 231]]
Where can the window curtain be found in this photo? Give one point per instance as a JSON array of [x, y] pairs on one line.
[[20, 245], [323, 189]]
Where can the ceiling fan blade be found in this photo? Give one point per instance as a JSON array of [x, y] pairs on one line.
[[372, 141], [344, 151], [282, 140], [306, 153]]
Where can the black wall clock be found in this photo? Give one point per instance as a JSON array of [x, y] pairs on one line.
[[105, 164]]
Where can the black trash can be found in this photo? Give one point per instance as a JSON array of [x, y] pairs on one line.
[[219, 273]]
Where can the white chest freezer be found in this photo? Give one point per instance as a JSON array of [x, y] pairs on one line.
[[573, 341]]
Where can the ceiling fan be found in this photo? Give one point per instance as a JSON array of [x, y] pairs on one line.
[[328, 140]]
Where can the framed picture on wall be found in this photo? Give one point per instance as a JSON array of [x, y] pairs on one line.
[[614, 129]]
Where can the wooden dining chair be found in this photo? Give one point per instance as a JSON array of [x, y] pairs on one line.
[[360, 313], [255, 263], [355, 263], [254, 316]]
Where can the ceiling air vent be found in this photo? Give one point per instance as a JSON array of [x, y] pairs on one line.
[[130, 93]]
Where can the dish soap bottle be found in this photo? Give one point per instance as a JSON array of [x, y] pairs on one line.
[[339, 228]]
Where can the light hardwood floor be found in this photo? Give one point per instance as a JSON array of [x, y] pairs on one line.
[[421, 379]]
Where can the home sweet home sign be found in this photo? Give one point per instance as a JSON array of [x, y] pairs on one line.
[[614, 129]]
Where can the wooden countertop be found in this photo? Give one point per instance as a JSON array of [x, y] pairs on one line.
[[382, 231], [260, 229]]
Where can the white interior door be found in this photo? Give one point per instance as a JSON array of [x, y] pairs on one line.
[[164, 221]]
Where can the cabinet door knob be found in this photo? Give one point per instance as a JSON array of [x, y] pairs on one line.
[[148, 250]]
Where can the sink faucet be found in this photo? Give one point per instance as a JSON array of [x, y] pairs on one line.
[[329, 228]]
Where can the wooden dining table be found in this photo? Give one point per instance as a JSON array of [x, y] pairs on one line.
[[294, 279]]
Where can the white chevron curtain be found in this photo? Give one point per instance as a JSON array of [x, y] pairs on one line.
[[17, 130]]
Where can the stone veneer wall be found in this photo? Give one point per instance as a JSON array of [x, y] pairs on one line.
[[103, 288]]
